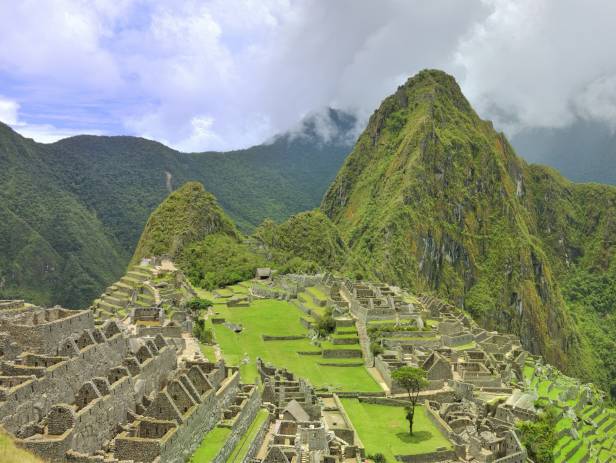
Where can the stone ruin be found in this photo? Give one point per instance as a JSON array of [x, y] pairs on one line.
[[73, 389], [305, 428]]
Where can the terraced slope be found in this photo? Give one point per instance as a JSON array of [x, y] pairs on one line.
[[586, 426]]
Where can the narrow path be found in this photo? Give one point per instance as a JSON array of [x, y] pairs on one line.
[[192, 347], [376, 374]]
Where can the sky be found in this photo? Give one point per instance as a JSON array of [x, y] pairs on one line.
[[226, 74]]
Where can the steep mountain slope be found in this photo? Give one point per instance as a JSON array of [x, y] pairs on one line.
[[52, 248], [309, 236], [72, 211], [188, 214], [432, 198]]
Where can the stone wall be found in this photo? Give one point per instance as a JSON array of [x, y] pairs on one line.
[[240, 426], [256, 443], [190, 434], [43, 337], [432, 457], [341, 353], [32, 400]]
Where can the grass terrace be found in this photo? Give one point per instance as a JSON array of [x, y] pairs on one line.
[[280, 318], [210, 445], [239, 452], [384, 429]]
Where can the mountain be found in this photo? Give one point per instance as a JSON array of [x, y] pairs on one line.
[[53, 248], [188, 214], [584, 151], [72, 211], [309, 236], [434, 199]]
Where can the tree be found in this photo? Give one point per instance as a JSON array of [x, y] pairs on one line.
[[378, 458], [539, 437], [412, 380], [197, 304]]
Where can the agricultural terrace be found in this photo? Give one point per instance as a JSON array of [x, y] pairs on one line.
[[591, 434]]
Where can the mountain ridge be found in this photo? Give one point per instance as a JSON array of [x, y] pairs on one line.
[[116, 182]]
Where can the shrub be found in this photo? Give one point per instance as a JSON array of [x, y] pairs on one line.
[[196, 304]]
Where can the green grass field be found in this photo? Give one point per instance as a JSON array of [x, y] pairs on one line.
[[210, 445], [383, 429], [239, 452], [280, 318]]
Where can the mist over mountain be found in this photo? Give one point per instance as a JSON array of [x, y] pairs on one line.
[[582, 152]]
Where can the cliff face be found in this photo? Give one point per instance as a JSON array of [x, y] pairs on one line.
[[433, 198]]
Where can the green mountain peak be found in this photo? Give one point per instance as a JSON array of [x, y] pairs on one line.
[[189, 214], [434, 199]]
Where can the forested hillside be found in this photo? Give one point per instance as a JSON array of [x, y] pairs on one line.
[[73, 211]]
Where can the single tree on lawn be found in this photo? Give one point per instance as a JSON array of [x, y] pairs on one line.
[[412, 380]]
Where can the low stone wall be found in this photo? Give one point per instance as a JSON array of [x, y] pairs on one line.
[[454, 341], [240, 426], [441, 396], [341, 353], [345, 341], [437, 421], [432, 457], [309, 352], [256, 443], [341, 365], [267, 337]]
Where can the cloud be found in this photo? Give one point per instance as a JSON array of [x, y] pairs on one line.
[[541, 63], [223, 74], [8, 111], [44, 133]]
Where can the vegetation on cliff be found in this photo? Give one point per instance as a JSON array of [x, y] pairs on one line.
[[309, 239], [188, 215], [53, 249], [72, 212]]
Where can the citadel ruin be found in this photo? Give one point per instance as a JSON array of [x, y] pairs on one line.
[[126, 380]]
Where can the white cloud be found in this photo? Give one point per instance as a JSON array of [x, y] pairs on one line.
[[8, 111], [598, 101], [528, 62], [222, 74], [43, 133]]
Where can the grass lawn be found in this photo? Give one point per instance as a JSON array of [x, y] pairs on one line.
[[239, 452], [384, 429], [210, 445], [470, 345], [208, 352], [308, 302], [10, 453], [277, 318], [317, 293]]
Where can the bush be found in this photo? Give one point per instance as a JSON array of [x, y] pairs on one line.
[[376, 348], [539, 438], [202, 333], [219, 260], [326, 324], [197, 304]]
